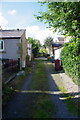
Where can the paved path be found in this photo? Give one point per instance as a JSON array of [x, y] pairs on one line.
[[20, 106], [69, 84], [62, 111]]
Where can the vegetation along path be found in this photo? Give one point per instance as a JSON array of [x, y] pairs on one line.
[[39, 97]]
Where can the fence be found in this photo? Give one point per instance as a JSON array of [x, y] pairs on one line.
[[9, 63], [9, 67]]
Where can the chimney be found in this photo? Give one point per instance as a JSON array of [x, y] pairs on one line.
[[18, 29]]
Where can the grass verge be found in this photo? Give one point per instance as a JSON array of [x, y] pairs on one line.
[[39, 80], [43, 106], [7, 93], [18, 82]]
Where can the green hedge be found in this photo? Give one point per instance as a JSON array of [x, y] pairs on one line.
[[71, 60]]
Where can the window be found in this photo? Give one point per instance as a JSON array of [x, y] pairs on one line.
[[1, 45]]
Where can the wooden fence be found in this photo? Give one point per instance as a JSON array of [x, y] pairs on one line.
[[9, 68]]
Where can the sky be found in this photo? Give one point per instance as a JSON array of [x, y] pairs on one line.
[[20, 15]]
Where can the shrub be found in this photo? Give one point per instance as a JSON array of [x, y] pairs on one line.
[[71, 60], [49, 58]]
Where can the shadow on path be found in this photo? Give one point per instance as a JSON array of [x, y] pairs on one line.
[[21, 105], [58, 99]]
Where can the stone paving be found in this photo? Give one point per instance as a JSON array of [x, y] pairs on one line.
[[68, 83]]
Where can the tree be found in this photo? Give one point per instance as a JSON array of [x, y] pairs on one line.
[[43, 51], [64, 16], [48, 43], [35, 46]]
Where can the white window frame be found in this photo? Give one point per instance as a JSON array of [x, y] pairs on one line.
[[3, 45]]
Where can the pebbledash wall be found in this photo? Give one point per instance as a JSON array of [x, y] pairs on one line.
[[24, 49]]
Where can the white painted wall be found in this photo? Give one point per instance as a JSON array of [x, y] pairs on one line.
[[47, 51], [30, 50], [57, 54]]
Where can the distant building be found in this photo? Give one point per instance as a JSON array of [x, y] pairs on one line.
[[60, 40], [13, 45], [57, 46], [29, 46]]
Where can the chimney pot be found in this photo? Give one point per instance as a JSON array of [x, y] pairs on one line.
[[17, 28]]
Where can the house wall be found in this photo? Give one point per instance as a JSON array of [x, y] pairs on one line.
[[10, 49], [30, 51], [49, 51], [24, 49], [57, 53]]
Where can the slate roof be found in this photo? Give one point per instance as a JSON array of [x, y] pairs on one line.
[[61, 39], [57, 44], [11, 33]]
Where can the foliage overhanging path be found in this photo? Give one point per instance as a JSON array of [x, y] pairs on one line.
[[64, 16]]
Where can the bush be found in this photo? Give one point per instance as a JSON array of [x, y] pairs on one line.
[[49, 58], [7, 93], [71, 60]]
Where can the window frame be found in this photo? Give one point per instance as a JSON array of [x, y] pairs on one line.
[[3, 45]]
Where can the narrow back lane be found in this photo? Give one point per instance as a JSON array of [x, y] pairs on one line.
[[39, 97]]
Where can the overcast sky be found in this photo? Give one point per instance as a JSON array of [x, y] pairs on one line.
[[15, 15]]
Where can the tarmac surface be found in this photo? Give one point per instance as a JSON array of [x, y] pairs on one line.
[[17, 108]]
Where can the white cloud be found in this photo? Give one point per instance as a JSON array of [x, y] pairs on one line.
[[32, 31], [43, 34], [12, 12], [37, 33], [3, 21]]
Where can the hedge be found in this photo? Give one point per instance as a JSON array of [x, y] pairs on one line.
[[71, 60]]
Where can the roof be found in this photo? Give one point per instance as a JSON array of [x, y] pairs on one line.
[[11, 33], [61, 39], [57, 44]]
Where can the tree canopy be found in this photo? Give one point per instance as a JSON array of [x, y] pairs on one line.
[[35, 46], [48, 43], [64, 16]]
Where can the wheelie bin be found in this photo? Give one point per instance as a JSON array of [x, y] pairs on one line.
[[57, 65]]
